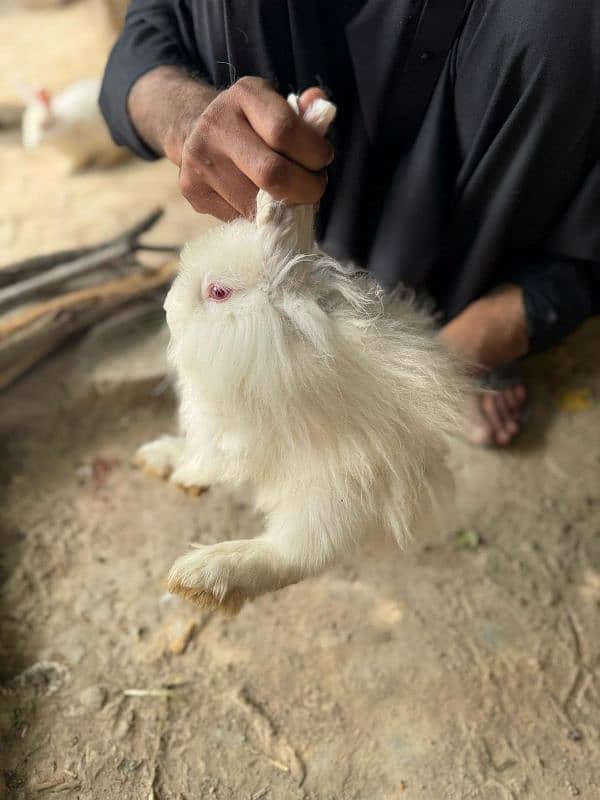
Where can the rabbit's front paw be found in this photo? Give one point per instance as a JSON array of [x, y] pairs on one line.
[[160, 456], [191, 480], [225, 575]]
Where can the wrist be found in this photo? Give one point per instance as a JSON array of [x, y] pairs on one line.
[[189, 103], [164, 105]]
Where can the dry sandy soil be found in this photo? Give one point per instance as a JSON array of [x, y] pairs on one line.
[[466, 668]]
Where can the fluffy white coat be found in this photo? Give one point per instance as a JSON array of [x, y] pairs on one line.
[[333, 400]]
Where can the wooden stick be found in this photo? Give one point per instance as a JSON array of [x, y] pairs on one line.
[[10, 115], [31, 266], [143, 280], [23, 290], [27, 336], [22, 270]]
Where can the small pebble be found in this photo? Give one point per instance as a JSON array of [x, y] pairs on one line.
[[83, 473], [125, 724], [575, 735], [93, 698], [180, 634]]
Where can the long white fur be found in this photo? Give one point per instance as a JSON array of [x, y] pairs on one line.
[[331, 398], [72, 124]]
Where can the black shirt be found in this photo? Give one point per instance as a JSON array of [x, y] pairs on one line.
[[468, 136]]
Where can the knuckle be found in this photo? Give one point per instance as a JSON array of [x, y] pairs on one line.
[[195, 153], [209, 120], [186, 185], [281, 130], [205, 121], [245, 85], [199, 152], [201, 203], [193, 188], [272, 172]]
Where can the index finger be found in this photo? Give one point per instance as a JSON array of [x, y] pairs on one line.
[[281, 128]]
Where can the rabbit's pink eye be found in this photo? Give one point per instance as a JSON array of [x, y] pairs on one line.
[[218, 292]]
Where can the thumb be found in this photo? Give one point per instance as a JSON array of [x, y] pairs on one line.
[[308, 97]]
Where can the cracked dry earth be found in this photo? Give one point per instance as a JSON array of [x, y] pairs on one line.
[[466, 668]]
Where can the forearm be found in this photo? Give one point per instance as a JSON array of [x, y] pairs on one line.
[[163, 106], [152, 45]]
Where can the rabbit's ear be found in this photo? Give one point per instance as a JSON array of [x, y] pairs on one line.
[[285, 232], [319, 115], [43, 96], [286, 240], [288, 232]]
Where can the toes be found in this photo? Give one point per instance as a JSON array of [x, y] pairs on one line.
[[515, 396], [157, 458], [496, 416], [520, 393], [188, 483], [203, 586], [482, 435], [500, 417], [479, 431], [490, 410], [191, 490], [510, 399], [229, 604], [152, 467], [226, 574], [509, 421], [222, 575]]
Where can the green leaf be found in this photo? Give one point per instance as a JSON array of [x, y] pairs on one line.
[[467, 539]]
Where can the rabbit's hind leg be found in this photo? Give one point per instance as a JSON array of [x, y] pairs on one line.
[[225, 575]]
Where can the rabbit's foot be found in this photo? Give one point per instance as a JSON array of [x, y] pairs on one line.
[[163, 458], [159, 457], [191, 479], [227, 574]]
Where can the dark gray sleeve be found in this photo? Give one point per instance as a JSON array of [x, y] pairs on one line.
[[152, 36], [563, 290], [558, 297]]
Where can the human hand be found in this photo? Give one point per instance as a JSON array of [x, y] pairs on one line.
[[249, 138]]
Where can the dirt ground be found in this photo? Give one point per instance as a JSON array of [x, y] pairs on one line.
[[466, 668]]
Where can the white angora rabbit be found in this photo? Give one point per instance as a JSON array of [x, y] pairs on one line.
[[71, 122], [295, 373]]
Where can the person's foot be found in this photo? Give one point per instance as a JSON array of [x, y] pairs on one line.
[[496, 415], [491, 333]]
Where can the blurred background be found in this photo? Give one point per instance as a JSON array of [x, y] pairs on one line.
[[467, 667], [51, 45]]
